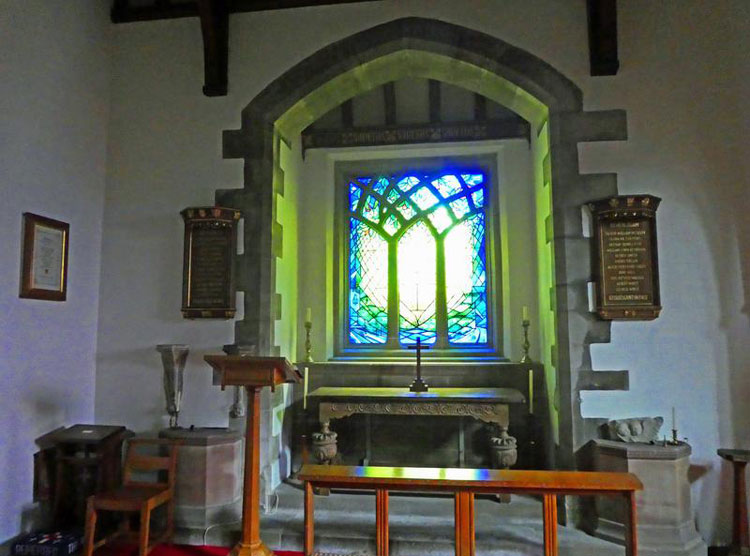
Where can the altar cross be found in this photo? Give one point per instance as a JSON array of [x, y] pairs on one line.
[[418, 385]]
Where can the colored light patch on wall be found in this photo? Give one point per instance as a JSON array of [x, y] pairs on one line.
[[466, 282], [368, 285]]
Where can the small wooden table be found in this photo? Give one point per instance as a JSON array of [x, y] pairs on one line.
[[87, 460], [740, 536], [464, 484], [485, 404]]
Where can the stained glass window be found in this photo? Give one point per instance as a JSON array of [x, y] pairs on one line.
[[427, 232]]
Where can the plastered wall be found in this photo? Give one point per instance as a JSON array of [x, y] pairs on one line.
[[683, 80], [54, 107]]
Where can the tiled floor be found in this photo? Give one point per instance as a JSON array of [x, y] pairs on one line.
[[419, 526]]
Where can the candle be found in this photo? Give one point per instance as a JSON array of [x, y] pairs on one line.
[[304, 390], [308, 315], [531, 391], [674, 420], [525, 313]]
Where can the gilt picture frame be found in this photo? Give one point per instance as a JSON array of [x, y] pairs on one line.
[[44, 258]]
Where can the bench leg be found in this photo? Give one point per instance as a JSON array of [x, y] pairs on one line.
[[381, 521], [309, 521], [631, 534], [464, 523], [550, 525]]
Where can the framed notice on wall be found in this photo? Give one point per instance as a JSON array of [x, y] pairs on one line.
[[44, 260], [208, 285], [625, 258]]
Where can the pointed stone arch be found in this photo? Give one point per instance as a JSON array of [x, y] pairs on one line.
[[481, 63]]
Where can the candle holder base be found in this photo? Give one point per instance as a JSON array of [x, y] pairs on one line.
[[418, 385]]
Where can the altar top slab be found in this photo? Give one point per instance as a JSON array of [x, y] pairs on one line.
[[468, 395]]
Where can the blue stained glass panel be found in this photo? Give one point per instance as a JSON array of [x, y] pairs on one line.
[[466, 282], [371, 210], [354, 194], [424, 198], [380, 185], [417, 263], [472, 179], [440, 218], [478, 198], [393, 196], [406, 210], [405, 184], [368, 285], [447, 185], [460, 207]]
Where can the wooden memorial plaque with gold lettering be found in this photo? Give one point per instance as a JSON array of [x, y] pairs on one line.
[[626, 269], [208, 267]]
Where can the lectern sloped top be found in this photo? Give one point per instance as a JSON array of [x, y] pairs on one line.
[[241, 370]]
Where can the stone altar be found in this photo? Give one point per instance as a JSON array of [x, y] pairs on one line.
[[665, 516], [489, 405]]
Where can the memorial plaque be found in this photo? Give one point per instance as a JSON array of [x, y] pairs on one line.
[[626, 270], [208, 267]]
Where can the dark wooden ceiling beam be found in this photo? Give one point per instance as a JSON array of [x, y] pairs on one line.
[[214, 16], [123, 12], [510, 128], [602, 25]]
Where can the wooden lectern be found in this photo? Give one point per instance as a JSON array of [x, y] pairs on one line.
[[254, 373]]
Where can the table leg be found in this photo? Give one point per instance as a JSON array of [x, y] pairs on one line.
[[309, 520], [464, 523], [550, 525], [381, 521], [631, 533], [740, 537]]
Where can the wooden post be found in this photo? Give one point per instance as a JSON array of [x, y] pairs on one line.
[[631, 533], [250, 543], [309, 519], [550, 525], [464, 523], [381, 521], [740, 537]]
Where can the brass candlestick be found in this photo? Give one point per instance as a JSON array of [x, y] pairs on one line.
[[526, 344], [308, 343]]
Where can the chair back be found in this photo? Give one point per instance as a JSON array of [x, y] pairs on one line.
[[137, 462]]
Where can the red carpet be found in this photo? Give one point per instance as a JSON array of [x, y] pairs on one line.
[[177, 550]]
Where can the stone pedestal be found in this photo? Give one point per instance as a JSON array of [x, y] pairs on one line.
[[665, 517], [208, 488]]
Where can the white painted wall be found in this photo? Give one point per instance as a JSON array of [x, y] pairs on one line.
[[683, 80], [54, 63]]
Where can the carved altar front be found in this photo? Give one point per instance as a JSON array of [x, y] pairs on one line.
[[489, 405]]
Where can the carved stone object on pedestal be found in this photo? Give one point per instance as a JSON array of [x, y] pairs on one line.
[[208, 485], [504, 450], [173, 357], [637, 429], [665, 516]]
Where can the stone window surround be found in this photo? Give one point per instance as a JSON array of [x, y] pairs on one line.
[[433, 49]]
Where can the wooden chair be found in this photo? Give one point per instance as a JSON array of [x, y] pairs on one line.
[[136, 495]]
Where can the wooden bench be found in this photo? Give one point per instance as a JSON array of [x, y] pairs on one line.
[[464, 484]]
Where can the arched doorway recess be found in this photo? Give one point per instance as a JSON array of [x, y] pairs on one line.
[[417, 47]]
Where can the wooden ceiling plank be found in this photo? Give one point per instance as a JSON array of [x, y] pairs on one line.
[[602, 26], [214, 16], [123, 12]]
